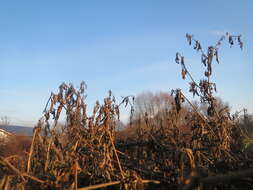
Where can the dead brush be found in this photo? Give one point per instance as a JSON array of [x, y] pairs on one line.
[[15, 144], [213, 144], [87, 155]]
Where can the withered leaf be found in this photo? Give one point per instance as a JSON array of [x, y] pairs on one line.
[[177, 58], [214, 86], [207, 74], [216, 55], [189, 38], [230, 40], [197, 45], [184, 72], [203, 59], [182, 60], [241, 45]]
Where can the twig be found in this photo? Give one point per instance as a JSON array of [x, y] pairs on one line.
[[114, 183], [31, 151], [13, 168], [116, 154], [19, 173], [45, 109], [48, 154]]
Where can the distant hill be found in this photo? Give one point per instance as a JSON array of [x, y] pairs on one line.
[[18, 129]]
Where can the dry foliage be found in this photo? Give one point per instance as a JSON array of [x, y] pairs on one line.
[[182, 149]]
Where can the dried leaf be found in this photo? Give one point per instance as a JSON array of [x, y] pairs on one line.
[[216, 55], [230, 40], [189, 38], [177, 58], [184, 72], [241, 45], [182, 60]]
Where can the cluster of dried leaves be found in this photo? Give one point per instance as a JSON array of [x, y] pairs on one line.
[[162, 154]]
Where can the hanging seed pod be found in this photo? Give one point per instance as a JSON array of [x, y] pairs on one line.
[[193, 89], [183, 73], [197, 46], [240, 42], [177, 58], [241, 45], [178, 99], [203, 59], [207, 74], [189, 38], [216, 56], [182, 60], [83, 87], [230, 40], [214, 86]]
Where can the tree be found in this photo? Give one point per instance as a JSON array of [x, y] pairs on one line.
[[4, 120], [150, 104], [202, 107]]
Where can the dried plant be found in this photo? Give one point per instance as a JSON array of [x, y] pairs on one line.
[[183, 148]]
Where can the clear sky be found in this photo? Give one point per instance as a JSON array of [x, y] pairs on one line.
[[127, 46]]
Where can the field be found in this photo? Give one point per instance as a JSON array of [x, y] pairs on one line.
[[176, 147]]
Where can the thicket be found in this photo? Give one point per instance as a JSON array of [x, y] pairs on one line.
[[177, 148]]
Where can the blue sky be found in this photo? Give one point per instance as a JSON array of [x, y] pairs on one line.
[[126, 46]]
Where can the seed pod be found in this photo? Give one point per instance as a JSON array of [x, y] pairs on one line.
[[189, 38], [183, 73], [216, 56], [241, 45], [177, 58], [182, 60], [230, 40]]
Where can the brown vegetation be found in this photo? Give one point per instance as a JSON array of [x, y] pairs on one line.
[[17, 145], [166, 148]]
